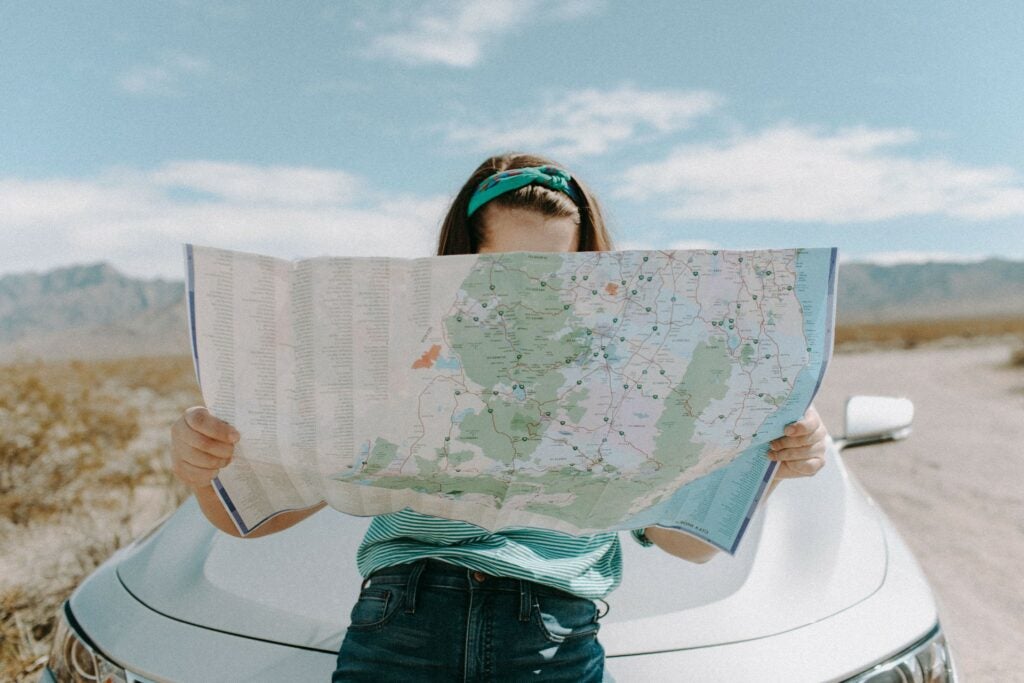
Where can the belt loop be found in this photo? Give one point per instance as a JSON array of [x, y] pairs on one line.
[[525, 600], [410, 587]]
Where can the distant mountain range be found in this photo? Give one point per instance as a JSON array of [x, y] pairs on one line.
[[930, 291], [90, 311], [94, 311]]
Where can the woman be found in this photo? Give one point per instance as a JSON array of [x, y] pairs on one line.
[[444, 599]]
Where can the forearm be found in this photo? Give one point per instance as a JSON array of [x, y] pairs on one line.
[[686, 546], [214, 511], [681, 545]]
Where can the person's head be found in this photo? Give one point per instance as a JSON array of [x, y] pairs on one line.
[[530, 218]]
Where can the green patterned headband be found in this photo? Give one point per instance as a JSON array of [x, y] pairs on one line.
[[506, 181]]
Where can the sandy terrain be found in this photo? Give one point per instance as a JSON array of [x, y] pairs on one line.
[[955, 488]]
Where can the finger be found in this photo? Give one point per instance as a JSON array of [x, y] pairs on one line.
[[199, 458], [805, 425], [814, 450], [818, 434], [185, 437], [801, 468], [806, 468], [200, 419], [205, 444], [190, 474]]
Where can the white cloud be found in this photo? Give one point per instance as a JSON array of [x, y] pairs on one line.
[[261, 185], [137, 219], [455, 34], [167, 77], [589, 122], [789, 173]]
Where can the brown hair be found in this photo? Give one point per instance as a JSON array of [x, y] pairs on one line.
[[464, 235]]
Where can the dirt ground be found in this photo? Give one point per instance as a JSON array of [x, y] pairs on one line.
[[955, 488]]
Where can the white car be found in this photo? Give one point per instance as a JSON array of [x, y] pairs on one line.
[[822, 589]]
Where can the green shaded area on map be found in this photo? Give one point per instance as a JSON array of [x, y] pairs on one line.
[[583, 495], [703, 382], [516, 351]]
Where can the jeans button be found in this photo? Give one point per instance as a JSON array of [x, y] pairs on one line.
[[479, 576]]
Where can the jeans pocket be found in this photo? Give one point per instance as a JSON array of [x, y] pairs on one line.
[[560, 618], [374, 608]]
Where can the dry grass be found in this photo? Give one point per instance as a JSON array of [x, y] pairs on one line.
[[84, 468], [913, 333]]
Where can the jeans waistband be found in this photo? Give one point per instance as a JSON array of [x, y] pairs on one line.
[[441, 573], [430, 572]]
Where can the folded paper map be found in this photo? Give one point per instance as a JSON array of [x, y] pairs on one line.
[[578, 392]]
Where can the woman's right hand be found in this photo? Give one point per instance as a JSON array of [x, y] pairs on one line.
[[200, 446]]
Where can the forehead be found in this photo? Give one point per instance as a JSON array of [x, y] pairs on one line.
[[509, 229], [495, 214]]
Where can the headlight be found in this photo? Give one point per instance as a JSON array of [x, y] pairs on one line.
[[927, 661], [73, 659]]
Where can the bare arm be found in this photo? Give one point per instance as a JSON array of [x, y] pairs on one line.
[[681, 545], [201, 445], [685, 546], [800, 453], [214, 511]]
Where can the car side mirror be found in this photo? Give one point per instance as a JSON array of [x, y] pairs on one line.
[[875, 419]]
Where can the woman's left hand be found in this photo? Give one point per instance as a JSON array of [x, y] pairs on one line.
[[801, 452]]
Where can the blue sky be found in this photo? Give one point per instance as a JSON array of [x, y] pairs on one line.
[[891, 130]]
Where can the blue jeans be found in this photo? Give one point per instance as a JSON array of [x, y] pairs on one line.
[[433, 621]]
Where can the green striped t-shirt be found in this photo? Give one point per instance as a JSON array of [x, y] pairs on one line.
[[588, 566]]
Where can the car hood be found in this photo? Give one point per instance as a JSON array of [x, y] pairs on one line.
[[815, 548]]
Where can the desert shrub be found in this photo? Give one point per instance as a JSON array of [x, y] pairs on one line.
[[163, 375], [909, 334], [84, 468], [53, 432]]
